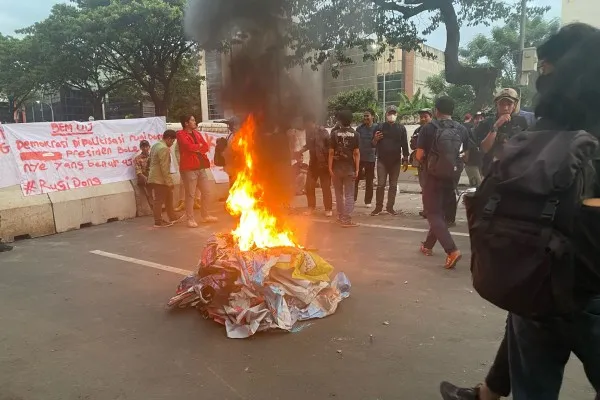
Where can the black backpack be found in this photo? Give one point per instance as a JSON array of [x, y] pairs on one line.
[[534, 249], [442, 159], [220, 147]]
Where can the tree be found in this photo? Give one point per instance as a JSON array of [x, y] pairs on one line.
[[140, 40], [19, 75], [410, 107], [501, 49], [71, 60], [357, 101], [186, 90], [332, 27], [463, 95]]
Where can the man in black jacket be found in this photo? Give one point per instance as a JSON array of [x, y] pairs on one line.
[[391, 143]]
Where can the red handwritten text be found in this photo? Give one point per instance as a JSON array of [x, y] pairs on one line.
[[71, 128]]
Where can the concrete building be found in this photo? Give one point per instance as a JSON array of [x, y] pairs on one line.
[[407, 72], [587, 11]]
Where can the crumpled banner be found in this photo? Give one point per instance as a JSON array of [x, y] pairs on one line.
[[262, 289]]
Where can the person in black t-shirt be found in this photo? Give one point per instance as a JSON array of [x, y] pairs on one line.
[[344, 163], [438, 191], [495, 131]]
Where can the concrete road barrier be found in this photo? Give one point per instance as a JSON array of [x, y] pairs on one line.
[[78, 208], [24, 216]]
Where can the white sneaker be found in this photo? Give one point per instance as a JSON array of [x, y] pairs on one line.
[[209, 219], [192, 224], [369, 205], [329, 213]]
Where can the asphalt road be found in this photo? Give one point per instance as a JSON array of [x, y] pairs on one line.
[[77, 325]]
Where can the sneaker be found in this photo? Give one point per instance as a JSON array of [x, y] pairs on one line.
[[5, 247], [192, 224], [452, 259], [451, 392], [180, 206], [329, 214], [179, 220], [163, 224], [349, 224], [426, 251], [391, 211], [209, 219], [368, 205], [376, 212]]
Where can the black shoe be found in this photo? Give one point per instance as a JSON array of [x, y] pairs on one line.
[[5, 247], [377, 211], [451, 392], [391, 211], [163, 224]]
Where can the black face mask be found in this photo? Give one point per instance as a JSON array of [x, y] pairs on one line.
[[542, 81]]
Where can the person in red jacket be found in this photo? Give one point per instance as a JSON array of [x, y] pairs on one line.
[[193, 164]]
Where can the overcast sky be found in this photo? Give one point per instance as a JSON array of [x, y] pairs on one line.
[[16, 15]]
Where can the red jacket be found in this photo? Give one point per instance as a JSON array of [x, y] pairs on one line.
[[191, 153]]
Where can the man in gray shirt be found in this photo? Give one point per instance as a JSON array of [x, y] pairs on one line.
[[366, 169]]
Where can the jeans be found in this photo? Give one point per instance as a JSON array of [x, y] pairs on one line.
[[321, 175], [163, 194], [366, 169], [344, 196], [385, 170], [540, 349], [474, 174], [435, 195], [498, 377], [192, 180]]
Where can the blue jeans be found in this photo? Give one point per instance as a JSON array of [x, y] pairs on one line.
[[191, 181], [540, 349], [436, 194], [344, 196]]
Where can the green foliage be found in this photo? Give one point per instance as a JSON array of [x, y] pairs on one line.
[[411, 107], [357, 101], [463, 95], [186, 90]]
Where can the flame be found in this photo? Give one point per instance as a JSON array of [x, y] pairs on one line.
[[258, 227]]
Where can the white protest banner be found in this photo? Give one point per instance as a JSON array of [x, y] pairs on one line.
[[59, 156], [9, 172], [218, 173]]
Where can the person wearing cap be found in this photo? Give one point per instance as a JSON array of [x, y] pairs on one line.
[[495, 131], [142, 169], [391, 144]]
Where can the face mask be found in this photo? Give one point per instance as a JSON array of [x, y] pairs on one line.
[[392, 118], [542, 81]]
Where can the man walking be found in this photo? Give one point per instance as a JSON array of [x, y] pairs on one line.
[[344, 161], [193, 164], [317, 144], [366, 132], [161, 180], [438, 147], [141, 171], [391, 143]]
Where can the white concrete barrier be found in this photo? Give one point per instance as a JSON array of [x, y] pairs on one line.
[[78, 208], [24, 216]]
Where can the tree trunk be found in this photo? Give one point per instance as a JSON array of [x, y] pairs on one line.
[[97, 108], [482, 79]]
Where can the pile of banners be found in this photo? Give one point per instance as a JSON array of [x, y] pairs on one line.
[[262, 289]]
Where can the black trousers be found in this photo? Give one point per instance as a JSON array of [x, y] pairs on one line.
[[163, 194], [366, 170], [498, 377], [321, 175], [450, 203]]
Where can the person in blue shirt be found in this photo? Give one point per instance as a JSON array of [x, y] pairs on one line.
[[366, 132]]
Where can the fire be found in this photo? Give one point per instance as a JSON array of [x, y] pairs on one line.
[[258, 227]]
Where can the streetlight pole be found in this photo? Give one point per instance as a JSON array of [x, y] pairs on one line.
[[522, 30], [41, 103]]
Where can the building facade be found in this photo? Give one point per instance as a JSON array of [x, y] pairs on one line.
[[586, 11]]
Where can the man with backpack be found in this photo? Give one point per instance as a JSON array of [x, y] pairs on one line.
[[438, 148], [391, 143], [497, 383]]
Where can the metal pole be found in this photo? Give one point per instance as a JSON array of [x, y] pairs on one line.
[[42, 110], [384, 78], [522, 30], [52, 111], [33, 113]]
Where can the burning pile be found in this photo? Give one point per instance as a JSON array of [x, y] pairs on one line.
[[257, 277]]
